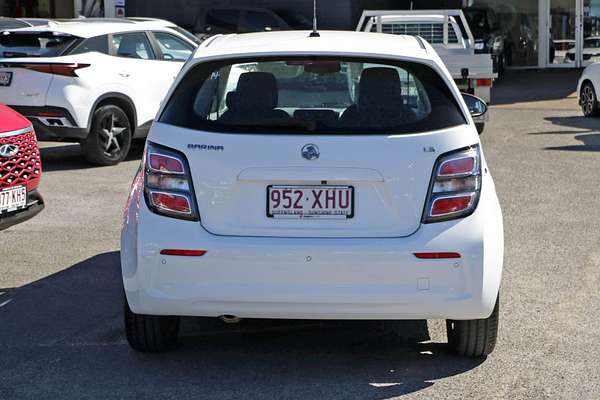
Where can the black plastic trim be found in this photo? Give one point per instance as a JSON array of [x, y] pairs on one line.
[[29, 111], [35, 204]]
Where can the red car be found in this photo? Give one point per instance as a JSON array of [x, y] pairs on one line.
[[20, 169]]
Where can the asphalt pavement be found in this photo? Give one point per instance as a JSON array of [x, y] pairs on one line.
[[61, 332]]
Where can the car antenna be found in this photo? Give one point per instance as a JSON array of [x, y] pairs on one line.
[[314, 32]]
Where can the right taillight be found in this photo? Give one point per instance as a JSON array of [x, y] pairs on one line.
[[455, 186], [168, 184]]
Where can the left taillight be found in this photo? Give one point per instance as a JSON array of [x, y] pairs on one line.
[[63, 69], [455, 186], [168, 186]]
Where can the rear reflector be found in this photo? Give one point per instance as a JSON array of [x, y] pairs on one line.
[[435, 256], [483, 82], [449, 205], [49, 115], [185, 253]]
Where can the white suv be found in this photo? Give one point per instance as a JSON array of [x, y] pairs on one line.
[[99, 83], [340, 177]]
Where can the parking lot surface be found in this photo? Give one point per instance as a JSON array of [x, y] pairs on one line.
[[61, 295]]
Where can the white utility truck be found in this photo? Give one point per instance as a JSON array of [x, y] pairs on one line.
[[449, 33]]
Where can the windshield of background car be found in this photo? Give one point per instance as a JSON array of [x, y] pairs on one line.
[[38, 44], [592, 43], [478, 23], [311, 96], [12, 24]]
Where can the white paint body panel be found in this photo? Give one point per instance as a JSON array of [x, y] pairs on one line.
[[144, 82], [355, 278], [361, 269], [230, 185]]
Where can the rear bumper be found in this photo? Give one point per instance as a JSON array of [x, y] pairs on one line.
[[311, 278], [53, 123], [35, 204]]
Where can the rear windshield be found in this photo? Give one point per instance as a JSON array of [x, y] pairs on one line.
[[39, 44], [313, 95]]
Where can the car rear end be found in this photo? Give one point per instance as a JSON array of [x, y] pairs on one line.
[[20, 170], [39, 79], [313, 213]]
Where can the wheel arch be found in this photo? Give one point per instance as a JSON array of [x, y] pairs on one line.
[[117, 99], [584, 81]]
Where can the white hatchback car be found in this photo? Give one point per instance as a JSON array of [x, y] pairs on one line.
[[93, 82], [330, 177]]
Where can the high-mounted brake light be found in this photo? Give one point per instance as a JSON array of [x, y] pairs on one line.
[[167, 183], [455, 186]]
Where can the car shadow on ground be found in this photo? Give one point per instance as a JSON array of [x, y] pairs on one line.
[[62, 336], [588, 133], [529, 86], [68, 156]]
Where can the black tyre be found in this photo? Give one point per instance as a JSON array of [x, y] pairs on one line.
[[150, 333], [476, 337], [109, 139], [501, 65], [480, 127], [589, 100]]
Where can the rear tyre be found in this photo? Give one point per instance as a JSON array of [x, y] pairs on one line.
[[109, 139], [500, 65], [476, 337], [150, 333], [589, 100]]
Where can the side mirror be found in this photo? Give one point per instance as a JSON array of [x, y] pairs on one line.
[[478, 109]]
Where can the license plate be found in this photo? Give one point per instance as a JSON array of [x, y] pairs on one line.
[[5, 78], [13, 199], [310, 202]]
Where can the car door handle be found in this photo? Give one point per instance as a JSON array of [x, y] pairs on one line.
[[124, 74]]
